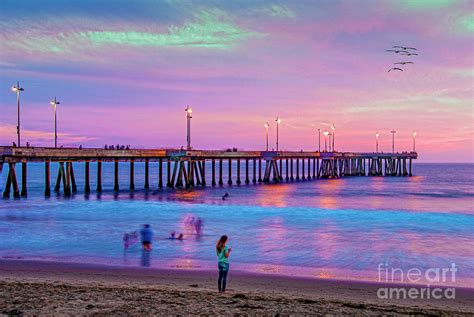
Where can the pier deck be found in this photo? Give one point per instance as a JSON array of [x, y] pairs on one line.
[[188, 168]]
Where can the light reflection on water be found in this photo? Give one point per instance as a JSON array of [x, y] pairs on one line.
[[341, 228]]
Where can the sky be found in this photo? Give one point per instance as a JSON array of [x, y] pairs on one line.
[[124, 72]]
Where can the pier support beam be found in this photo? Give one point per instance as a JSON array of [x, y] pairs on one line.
[[24, 190], [87, 186], [247, 180], [259, 170], [254, 179], [213, 172], [297, 169], [72, 178], [11, 182], [318, 173], [202, 165], [99, 176], [160, 173], [303, 177], [47, 179], [62, 177], [132, 175], [238, 172], [147, 174], [281, 170], [168, 173], [116, 176], [220, 172], [229, 182], [291, 170], [309, 168]]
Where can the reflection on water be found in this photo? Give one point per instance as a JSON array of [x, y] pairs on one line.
[[330, 189], [145, 259]]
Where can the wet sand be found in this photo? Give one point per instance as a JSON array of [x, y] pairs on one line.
[[40, 288]]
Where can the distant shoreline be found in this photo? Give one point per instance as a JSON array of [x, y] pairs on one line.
[[102, 289]]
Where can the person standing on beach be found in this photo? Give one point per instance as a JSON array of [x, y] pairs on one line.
[[146, 236], [223, 253]]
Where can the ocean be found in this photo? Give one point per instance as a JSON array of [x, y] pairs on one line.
[[346, 228]]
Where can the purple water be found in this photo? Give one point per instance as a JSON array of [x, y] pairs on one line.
[[340, 228]]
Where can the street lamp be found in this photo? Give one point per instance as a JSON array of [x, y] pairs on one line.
[[17, 89], [393, 140], [319, 140], [55, 103], [333, 127], [267, 125], [325, 141], [278, 121], [414, 136], [189, 112], [330, 141], [376, 142]]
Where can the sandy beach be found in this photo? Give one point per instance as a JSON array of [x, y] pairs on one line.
[[39, 288]]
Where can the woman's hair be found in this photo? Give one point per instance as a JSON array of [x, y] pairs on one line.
[[220, 244]]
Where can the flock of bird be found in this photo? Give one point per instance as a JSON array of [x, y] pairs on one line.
[[402, 51]]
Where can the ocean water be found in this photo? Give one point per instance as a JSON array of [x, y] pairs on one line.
[[343, 228]]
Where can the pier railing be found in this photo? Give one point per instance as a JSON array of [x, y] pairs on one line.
[[187, 169]]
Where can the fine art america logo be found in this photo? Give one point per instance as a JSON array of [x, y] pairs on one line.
[[432, 277]]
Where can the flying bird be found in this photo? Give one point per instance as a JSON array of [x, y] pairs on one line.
[[409, 54], [397, 51], [405, 48], [403, 63], [395, 68]]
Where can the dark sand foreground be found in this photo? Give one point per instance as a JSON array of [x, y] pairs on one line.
[[37, 288]]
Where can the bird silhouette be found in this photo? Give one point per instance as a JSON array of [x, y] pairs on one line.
[[403, 63], [409, 54], [405, 48], [395, 68], [397, 51]]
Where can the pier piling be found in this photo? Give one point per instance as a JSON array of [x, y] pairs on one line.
[[87, 186], [229, 182], [116, 176], [47, 177], [24, 191], [99, 176], [213, 173], [147, 175], [160, 173]]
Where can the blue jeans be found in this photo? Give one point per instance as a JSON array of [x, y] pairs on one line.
[[223, 270]]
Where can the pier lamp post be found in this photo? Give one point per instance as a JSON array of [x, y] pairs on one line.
[[267, 125], [325, 141], [189, 112], [393, 140], [376, 142], [333, 127], [17, 89], [55, 103], [414, 136], [278, 121], [319, 140], [329, 141]]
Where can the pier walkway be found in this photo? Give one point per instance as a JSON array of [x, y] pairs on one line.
[[187, 169]]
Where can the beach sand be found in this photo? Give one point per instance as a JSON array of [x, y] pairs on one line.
[[42, 288]]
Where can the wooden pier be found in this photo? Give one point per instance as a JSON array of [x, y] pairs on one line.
[[186, 169]]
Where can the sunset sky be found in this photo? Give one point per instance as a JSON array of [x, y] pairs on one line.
[[125, 70]]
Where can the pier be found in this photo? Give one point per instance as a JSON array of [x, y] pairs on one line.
[[188, 168]]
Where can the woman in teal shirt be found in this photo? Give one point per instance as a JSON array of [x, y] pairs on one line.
[[223, 253]]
